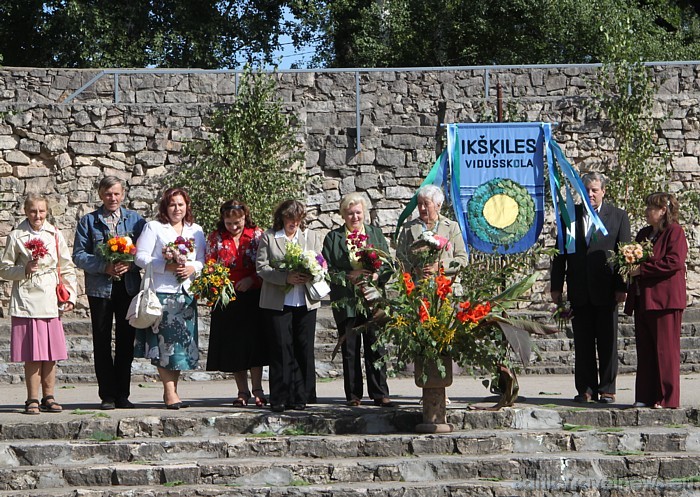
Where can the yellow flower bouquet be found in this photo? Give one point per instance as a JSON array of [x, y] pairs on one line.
[[213, 285]]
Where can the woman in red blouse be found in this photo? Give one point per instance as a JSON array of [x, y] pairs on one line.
[[236, 338]]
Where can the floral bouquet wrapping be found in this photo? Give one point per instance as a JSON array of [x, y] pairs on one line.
[[213, 285], [305, 262], [428, 248], [629, 256], [118, 249], [178, 251]]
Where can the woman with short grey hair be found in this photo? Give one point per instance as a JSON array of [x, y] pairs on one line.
[[453, 257]]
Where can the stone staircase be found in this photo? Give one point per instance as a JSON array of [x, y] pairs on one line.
[[348, 452], [553, 353]]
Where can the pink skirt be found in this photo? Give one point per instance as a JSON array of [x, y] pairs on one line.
[[37, 340]]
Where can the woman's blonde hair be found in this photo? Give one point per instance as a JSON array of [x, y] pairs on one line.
[[351, 199]]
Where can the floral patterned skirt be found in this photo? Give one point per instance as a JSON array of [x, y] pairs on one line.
[[174, 344]]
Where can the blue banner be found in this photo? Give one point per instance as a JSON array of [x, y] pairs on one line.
[[498, 173]]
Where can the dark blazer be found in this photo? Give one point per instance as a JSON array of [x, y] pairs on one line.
[[661, 284], [335, 251], [590, 278]]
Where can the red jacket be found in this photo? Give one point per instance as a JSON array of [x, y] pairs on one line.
[[661, 284]]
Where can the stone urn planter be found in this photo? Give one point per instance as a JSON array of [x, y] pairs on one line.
[[434, 405]]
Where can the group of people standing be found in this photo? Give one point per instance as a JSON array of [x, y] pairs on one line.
[[272, 320], [655, 295]]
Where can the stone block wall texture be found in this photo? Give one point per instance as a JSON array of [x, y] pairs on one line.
[[134, 125]]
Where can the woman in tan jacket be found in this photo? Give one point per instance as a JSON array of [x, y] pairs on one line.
[[32, 252]]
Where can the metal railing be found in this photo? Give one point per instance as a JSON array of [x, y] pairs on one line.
[[487, 70]]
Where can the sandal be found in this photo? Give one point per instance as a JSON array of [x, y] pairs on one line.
[[260, 399], [49, 404], [31, 406], [242, 400]]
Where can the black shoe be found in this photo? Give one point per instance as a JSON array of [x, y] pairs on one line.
[[297, 407], [174, 406], [107, 405], [277, 407], [123, 404], [384, 402]]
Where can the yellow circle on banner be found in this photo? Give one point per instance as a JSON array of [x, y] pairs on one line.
[[500, 211]]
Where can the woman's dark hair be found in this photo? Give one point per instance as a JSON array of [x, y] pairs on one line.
[[167, 198], [234, 208], [661, 200], [289, 209]]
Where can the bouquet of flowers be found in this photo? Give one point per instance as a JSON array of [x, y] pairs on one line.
[[302, 261], [426, 321], [428, 248], [118, 249], [178, 251], [37, 248], [367, 256], [213, 285], [629, 256], [562, 314]]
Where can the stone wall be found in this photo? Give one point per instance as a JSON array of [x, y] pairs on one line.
[[59, 144]]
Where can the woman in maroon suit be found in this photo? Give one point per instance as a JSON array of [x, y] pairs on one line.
[[657, 297]]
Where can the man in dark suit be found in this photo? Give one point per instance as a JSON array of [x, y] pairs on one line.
[[594, 289]]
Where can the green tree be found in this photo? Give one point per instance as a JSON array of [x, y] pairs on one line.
[[625, 94], [159, 33], [410, 33], [253, 155]]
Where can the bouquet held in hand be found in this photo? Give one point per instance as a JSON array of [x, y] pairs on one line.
[[37, 248], [118, 249], [302, 261], [213, 285], [178, 251], [366, 256], [630, 255], [428, 248]]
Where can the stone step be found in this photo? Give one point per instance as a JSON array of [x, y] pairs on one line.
[[203, 420], [648, 440], [477, 487], [263, 471]]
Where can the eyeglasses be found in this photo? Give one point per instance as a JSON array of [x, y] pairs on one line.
[[236, 207]]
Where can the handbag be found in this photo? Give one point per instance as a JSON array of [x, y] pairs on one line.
[[145, 310], [318, 289], [62, 293]]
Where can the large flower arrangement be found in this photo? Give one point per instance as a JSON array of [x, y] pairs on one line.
[[426, 321]]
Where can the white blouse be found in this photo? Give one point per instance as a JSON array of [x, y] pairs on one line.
[[149, 249]]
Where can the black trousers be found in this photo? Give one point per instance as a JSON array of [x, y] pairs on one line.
[[113, 372], [292, 364], [595, 330], [377, 387]]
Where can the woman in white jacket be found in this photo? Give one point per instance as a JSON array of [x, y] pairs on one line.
[[32, 252], [172, 346]]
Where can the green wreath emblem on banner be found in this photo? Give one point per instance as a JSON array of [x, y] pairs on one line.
[[501, 211]]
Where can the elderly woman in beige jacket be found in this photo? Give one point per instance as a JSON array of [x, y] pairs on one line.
[[32, 253], [454, 257]]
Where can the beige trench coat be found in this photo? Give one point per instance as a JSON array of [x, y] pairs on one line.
[[35, 296]]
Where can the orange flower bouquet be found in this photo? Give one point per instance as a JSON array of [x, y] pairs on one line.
[[629, 256], [118, 249], [213, 285]]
